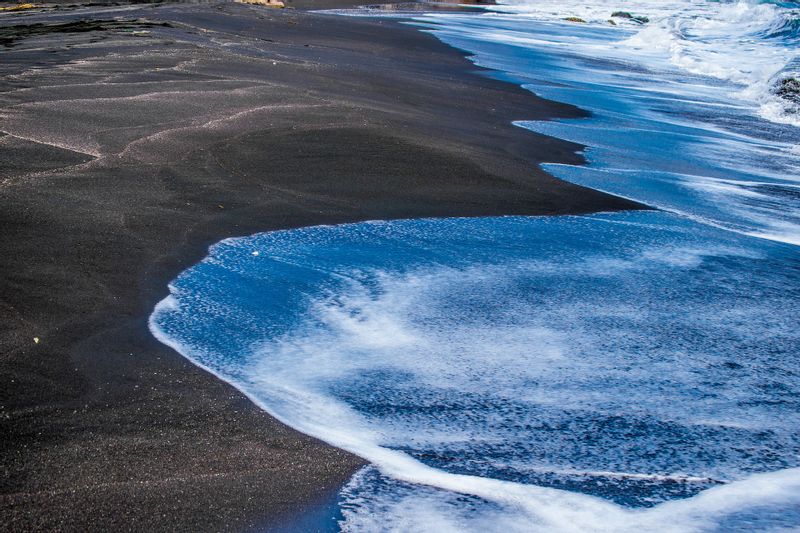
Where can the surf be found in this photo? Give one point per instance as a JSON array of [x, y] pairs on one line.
[[561, 372], [684, 110]]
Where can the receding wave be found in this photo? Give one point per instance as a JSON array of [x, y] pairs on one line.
[[608, 372], [678, 103], [751, 43]]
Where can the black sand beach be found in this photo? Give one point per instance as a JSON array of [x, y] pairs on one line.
[[135, 136]]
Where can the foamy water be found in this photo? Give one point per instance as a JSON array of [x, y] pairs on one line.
[[753, 44], [572, 373], [684, 111]]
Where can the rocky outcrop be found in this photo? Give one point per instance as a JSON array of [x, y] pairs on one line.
[[789, 89], [629, 16]]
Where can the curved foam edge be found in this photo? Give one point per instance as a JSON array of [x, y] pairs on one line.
[[546, 507]]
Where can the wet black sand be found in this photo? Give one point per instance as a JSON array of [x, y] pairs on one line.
[[133, 137]]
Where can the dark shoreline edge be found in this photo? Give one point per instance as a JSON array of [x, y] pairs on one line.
[[111, 186]]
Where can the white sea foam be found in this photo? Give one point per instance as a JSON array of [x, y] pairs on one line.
[[750, 43], [677, 103], [522, 508], [483, 367]]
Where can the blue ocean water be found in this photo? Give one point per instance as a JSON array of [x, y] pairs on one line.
[[612, 372], [518, 367], [685, 114]]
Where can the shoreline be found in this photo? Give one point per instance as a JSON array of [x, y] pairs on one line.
[[117, 185]]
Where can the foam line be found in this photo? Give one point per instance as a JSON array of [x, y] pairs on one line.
[[457, 365]]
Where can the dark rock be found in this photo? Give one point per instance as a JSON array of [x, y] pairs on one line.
[[629, 16], [789, 89], [10, 35]]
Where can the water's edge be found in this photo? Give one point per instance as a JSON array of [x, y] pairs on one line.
[[402, 467], [323, 515]]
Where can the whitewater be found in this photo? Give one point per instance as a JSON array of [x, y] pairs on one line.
[[608, 372], [611, 372]]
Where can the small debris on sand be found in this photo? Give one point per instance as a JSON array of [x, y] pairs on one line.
[[267, 3], [17, 7]]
